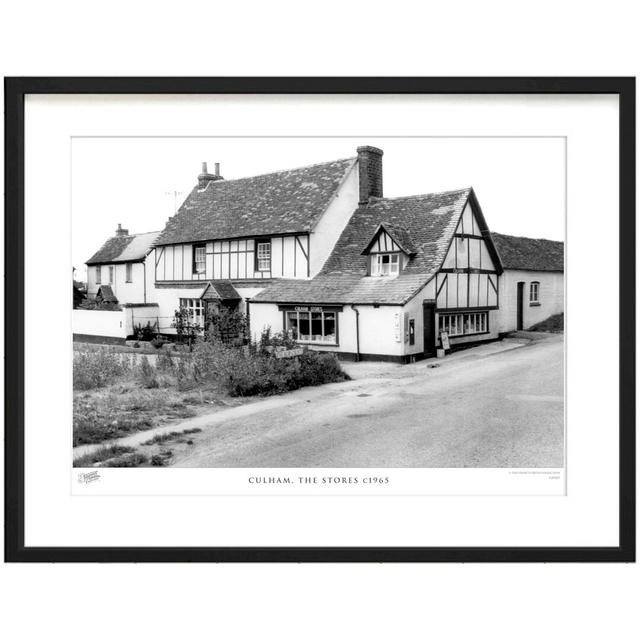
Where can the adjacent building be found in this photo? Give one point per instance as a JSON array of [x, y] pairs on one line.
[[318, 251], [532, 285], [121, 264]]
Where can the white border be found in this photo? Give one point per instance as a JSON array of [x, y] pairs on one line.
[[587, 516]]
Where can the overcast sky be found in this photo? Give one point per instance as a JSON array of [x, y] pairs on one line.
[[520, 182]]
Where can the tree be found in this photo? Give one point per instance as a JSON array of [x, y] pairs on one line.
[[186, 327]]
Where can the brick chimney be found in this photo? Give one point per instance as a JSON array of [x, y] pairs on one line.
[[205, 177], [370, 170], [121, 232]]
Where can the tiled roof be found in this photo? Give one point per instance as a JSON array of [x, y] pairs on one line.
[[130, 248], [428, 220], [399, 234], [105, 293], [529, 254], [281, 202], [220, 289]]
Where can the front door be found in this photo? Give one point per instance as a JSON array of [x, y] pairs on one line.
[[429, 329], [520, 318]]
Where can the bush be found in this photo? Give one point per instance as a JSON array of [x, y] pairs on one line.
[[229, 325], [320, 368], [95, 369], [101, 455], [159, 341], [146, 333], [256, 371]]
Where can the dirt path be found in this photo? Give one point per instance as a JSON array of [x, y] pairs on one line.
[[229, 437]]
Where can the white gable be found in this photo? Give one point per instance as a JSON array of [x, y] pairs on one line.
[[468, 252], [383, 243]]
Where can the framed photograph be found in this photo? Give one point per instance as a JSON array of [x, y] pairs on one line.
[[320, 319]]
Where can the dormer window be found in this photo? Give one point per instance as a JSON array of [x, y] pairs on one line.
[[385, 264], [389, 250]]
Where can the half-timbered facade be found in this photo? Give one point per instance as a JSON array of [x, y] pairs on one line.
[[250, 232], [404, 271]]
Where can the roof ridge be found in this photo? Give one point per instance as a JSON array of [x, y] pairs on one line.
[[509, 235], [375, 199], [139, 233], [272, 173]]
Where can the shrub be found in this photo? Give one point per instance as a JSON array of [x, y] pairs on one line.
[[160, 459], [146, 333], [229, 325], [127, 460], [101, 455], [92, 304], [159, 341], [187, 329], [147, 374], [95, 369], [320, 368], [256, 371]]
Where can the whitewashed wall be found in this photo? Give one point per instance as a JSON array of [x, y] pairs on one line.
[[136, 291], [330, 226], [551, 297], [380, 328], [112, 324]]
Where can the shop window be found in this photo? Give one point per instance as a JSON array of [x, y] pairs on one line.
[[464, 324], [317, 326]]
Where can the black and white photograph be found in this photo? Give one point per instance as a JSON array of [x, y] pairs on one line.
[[318, 302], [353, 323]]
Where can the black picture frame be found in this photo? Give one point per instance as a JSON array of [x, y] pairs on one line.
[[15, 91]]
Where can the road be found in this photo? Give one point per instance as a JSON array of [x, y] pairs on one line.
[[478, 408]]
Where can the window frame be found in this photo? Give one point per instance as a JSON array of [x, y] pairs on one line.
[[534, 300], [377, 262], [455, 323], [112, 274], [258, 244], [128, 272], [310, 313], [194, 259], [194, 305], [99, 274]]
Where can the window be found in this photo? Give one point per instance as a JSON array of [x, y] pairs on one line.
[[263, 256], [111, 269], [199, 258], [534, 293], [98, 274], [128, 270], [385, 264], [462, 324], [315, 325], [195, 306]]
